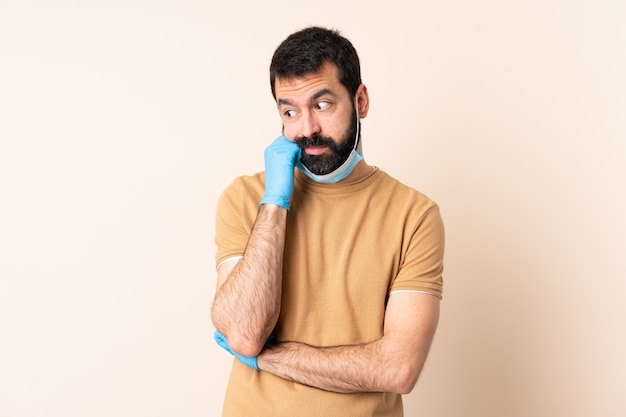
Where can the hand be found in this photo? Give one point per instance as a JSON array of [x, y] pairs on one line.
[[250, 361], [280, 159]]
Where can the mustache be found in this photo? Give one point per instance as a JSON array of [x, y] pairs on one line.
[[315, 140]]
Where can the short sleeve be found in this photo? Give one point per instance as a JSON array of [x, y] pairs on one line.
[[236, 212], [421, 267]]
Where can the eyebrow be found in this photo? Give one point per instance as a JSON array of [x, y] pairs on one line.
[[318, 94]]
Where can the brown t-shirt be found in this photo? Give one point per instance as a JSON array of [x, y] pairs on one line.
[[348, 246]]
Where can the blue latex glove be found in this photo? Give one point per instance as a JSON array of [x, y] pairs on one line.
[[280, 160], [246, 360]]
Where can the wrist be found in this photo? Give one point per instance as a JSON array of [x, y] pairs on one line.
[[273, 209]]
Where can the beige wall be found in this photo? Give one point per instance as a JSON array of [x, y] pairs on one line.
[[122, 121]]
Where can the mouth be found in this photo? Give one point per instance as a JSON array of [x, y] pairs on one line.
[[315, 150]]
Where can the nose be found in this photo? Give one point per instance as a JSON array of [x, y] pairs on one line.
[[310, 125]]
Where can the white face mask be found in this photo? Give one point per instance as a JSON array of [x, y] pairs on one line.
[[344, 169]]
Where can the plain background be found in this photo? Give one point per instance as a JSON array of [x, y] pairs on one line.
[[122, 121]]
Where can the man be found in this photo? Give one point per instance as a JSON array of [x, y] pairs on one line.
[[329, 276]]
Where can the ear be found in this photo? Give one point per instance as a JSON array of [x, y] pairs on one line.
[[362, 101]]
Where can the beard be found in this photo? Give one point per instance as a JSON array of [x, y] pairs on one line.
[[339, 152]]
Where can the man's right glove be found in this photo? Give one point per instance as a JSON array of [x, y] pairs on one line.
[[280, 160]]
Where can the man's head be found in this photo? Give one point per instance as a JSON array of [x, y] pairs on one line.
[[304, 52], [315, 79]]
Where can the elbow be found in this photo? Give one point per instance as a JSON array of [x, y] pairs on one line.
[[239, 343], [406, 386], [404, 380], [242, 340], [245, 346]]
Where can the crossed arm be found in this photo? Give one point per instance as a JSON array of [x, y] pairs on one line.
[[247, 305], [389, 364]]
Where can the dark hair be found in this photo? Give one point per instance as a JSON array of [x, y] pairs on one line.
[[305, 51]]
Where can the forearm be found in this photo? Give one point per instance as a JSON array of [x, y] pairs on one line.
[[392, 363], [247, 304], [371, 367]]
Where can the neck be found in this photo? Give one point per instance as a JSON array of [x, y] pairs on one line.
[[360, 171]]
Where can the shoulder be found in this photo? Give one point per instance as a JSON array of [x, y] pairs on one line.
[[242, 191], [403, 195], [245, 184]]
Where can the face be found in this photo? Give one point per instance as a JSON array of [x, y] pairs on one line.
[[319, 115]]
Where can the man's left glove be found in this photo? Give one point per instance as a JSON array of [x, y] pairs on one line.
[[246, 360]]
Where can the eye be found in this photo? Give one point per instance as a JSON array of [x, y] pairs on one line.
[[322, 105], [289, 113]]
